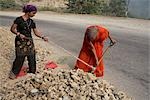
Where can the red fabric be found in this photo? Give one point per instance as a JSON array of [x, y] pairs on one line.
[[50, 64], [87, 55], [23, 71]]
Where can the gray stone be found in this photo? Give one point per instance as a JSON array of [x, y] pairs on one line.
[[34, 91]]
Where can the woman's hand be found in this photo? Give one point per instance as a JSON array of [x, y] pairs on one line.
[[22, 36], [112, 43]]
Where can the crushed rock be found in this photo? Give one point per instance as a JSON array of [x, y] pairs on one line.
[[64, 85]]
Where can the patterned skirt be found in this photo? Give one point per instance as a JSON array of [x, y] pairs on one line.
[[24, 47]]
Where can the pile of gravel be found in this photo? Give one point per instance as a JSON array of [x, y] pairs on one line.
[[62, 85]]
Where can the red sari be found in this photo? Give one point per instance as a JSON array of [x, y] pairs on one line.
[[87, 55]]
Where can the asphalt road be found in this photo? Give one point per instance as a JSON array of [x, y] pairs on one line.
[[127, 63]]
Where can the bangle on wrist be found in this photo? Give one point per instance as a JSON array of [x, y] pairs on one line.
[[42, 37], [17, 33]]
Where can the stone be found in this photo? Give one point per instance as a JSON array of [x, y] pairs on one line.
[[0, 97], [91, 76], [33, 91], [66, 98]]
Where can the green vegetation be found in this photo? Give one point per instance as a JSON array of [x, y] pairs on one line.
[[86, 6], [117, 7], [12, 4], [100, 7], [24, 1], [8, 4]]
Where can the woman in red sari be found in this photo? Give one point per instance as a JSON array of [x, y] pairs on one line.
[[92, 50]]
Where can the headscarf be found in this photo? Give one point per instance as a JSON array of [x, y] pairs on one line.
[[29, 8]]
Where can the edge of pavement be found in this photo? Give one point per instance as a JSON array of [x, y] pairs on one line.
[[121, 22]]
